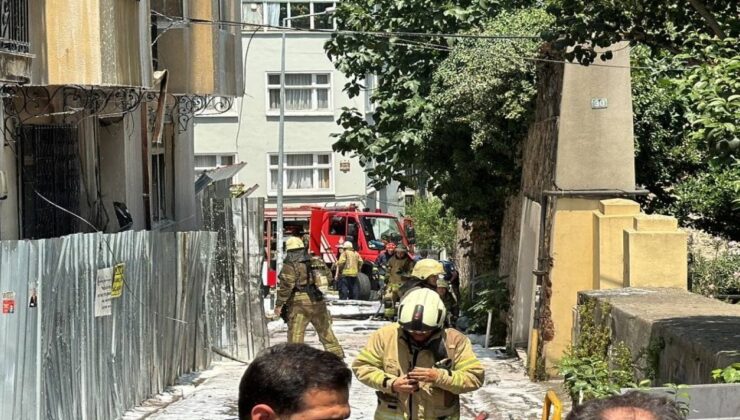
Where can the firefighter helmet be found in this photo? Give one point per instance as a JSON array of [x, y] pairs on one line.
[[422, 310], [426, 268], [348, 245], [294, 243]]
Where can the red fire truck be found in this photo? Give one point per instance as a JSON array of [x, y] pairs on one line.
[[327, 228]]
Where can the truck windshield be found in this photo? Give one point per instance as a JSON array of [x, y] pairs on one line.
[[377, 229]]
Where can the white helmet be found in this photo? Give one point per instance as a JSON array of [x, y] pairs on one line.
[[348, 245], [422, 310]]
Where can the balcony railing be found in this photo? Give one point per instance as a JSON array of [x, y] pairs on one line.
[[14, 26]]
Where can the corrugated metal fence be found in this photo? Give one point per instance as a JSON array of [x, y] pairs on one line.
[[239, 325], [58, 360]]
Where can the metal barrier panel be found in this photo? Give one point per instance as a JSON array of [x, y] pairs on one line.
[[61, 361], [237, 322]]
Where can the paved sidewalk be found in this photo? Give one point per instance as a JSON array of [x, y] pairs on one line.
[[212, 395]]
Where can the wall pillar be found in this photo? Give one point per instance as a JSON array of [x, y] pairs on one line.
[[610, 221], [655, 253]]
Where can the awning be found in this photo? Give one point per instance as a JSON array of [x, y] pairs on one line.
[[219, 174]]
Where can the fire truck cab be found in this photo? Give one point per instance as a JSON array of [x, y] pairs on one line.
[[326, 229]]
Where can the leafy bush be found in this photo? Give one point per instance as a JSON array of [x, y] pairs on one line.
[[491, 293], [593, 368], [435, 225], [718, 276], [728, 375]]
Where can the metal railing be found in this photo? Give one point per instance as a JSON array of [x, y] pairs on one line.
[[14, 26]]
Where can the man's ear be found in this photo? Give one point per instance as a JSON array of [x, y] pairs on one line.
[[263, 412]]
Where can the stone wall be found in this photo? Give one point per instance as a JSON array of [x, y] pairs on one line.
[[683, 336]]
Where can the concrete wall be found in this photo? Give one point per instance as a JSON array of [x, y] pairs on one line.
[[524, 293], [690, 334], [596, 146], [258, 131], [572, 255], [607, 244], [202, 59], [91, 42]]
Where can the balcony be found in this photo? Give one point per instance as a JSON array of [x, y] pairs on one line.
[[15, 60], [198, 45]]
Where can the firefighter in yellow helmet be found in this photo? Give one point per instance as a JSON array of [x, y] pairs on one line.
[[300, 298], [349, 264], [418, 367], [397, 266], [426, 273]]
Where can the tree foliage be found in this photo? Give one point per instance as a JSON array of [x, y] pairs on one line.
[[673, 163], [435, 226], [436, 116], [703, 33]]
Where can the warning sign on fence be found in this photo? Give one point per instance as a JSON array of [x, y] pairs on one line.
[[117, 280], [8, 302], [103, 286]]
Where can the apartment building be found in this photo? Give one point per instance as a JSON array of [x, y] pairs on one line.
[[313, 173], [98, 105]]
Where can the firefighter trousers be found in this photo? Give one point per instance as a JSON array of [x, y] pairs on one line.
[[303, 312]]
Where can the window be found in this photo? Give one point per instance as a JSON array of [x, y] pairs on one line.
[[272, 13], [208, 162], [303, 173], [304, 92]]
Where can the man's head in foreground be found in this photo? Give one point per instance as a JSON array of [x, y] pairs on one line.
[[295, 382], [633, 405]]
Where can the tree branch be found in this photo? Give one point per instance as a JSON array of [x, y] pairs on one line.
[[708, 18]]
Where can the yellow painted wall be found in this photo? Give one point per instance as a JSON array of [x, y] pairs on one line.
[[655, 253], [610, 221], [607, 244], [572, 270]]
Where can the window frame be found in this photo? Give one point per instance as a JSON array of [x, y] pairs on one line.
[[311, 3], [316, 166], [314, 111], [219, 161]]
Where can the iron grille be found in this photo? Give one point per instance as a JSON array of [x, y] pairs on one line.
[[14, 26], [48, 165]]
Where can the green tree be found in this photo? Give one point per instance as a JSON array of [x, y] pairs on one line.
[[397, 140], [471, 164], [435, 226], [673, 163]]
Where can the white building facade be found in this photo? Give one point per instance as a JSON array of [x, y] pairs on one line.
[[313, 173]]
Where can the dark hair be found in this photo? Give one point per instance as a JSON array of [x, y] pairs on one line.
[[280, 376], [660, 407]]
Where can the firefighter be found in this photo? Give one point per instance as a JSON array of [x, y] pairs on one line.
[[426, 274], [453, 310], [349, 264], [300, 299], [399, 265], [390, 249], [418, 367]]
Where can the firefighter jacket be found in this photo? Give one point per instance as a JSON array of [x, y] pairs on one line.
[[398, 267], [350, 262], [295, 277], [389, 355]]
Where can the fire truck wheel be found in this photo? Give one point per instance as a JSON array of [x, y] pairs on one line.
[[363, 283]]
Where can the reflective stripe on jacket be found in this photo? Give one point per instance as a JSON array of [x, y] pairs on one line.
[[388, 356], [351, 263]]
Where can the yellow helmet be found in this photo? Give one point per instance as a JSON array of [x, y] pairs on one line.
[[426, 268], [293, 243], [422, 310]]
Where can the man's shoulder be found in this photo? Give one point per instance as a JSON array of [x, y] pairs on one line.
[[387, 331], [456, 337]]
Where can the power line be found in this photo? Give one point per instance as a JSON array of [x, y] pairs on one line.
[[410, 43]]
